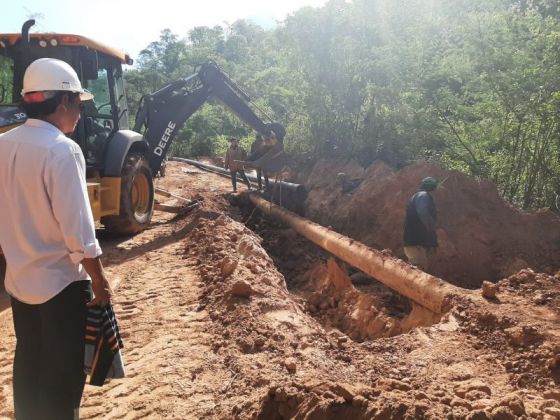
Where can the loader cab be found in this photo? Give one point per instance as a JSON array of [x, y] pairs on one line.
[[105, 114], [100, 71]]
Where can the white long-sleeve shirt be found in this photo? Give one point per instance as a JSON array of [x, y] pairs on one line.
[[46, 223]]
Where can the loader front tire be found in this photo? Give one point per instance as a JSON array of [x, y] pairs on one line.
[[137, 198]]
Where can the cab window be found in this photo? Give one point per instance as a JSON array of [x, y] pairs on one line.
[[98, 117], [100, 89]]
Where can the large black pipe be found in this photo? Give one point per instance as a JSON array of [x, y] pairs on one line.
[[221, 171], [287, 194]]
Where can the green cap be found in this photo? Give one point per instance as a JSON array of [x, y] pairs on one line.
[[429, 183]]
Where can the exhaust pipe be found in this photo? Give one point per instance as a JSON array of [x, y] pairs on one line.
[[25, 31]]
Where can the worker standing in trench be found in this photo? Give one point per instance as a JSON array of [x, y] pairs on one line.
[[420, 237], [234, 156], [47, 234], [258, 150]]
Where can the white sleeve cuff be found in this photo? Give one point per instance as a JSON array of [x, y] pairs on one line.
[[90, 250]]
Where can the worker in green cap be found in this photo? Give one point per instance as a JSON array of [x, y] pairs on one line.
[[420, 239]]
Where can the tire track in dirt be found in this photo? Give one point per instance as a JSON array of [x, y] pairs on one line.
[[171, 370]]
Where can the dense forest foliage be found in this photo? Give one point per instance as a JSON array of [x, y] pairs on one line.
[[471, 84]]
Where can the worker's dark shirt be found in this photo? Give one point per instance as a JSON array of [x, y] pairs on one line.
[[256, 145], [258, 150], [419, 225]]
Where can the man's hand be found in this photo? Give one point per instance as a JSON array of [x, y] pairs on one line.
[[101, 288], [101, 294]]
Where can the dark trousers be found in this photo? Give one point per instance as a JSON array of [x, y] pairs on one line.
[[234, 178], [2, 272], [259, 179], [49, 374]]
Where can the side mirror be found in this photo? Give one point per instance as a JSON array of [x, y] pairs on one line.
[[90, 64]]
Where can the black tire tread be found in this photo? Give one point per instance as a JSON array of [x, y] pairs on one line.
[[125, 223]]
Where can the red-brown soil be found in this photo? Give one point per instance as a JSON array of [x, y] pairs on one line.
[[213, 330], [481, 237]]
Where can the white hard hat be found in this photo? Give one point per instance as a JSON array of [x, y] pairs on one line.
[[50, 74]]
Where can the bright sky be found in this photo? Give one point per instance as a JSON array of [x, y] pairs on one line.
[[132, 24]]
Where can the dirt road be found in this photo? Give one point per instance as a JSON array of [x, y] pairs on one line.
[[167, 344]]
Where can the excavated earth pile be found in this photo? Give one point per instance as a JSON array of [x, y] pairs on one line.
[[483, 360], [481, 237], [220, 322]]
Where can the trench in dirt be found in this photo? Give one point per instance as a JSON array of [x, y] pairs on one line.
[[481, 238], [268, 324], [334, 293]]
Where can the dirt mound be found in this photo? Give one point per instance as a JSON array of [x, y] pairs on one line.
[[485, 359], [481, 237]]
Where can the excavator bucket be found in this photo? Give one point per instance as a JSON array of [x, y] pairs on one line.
[[271, 161]]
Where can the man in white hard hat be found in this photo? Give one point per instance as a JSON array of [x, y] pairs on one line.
[[47, 234]]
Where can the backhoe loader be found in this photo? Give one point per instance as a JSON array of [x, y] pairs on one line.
[[121, 163]]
